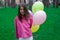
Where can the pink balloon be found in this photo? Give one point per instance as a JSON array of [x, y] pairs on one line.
[[39, 17]]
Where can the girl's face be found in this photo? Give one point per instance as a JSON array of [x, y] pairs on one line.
[[22, 10]]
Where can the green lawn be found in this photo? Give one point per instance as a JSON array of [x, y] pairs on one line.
[[50, 30]]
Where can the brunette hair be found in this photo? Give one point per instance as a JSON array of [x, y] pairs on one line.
[[26, 13]]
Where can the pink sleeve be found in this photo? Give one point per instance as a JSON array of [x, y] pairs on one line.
[[16, 31]]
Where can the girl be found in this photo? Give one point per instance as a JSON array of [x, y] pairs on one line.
[[23, 23]]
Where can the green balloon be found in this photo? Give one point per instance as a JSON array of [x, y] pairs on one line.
[[37, 6]]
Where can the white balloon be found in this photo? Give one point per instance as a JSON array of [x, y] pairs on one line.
[[30, 12]]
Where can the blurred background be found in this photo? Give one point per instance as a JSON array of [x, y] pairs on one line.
[[50, 30], [13, 3]]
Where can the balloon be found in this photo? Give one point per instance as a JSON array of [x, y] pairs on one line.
[[39, 17], [30, 12], [34, 28], [37, 6]]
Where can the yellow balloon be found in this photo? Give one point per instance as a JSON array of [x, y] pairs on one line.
[[34, 28]]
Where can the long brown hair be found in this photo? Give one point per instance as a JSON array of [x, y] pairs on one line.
[[26, 13]]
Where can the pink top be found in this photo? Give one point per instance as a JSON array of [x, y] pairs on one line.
[[23, 30]]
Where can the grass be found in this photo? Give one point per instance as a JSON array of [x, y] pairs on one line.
[[50, 30]]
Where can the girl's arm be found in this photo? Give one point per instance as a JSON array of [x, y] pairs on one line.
[[16, 30]]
